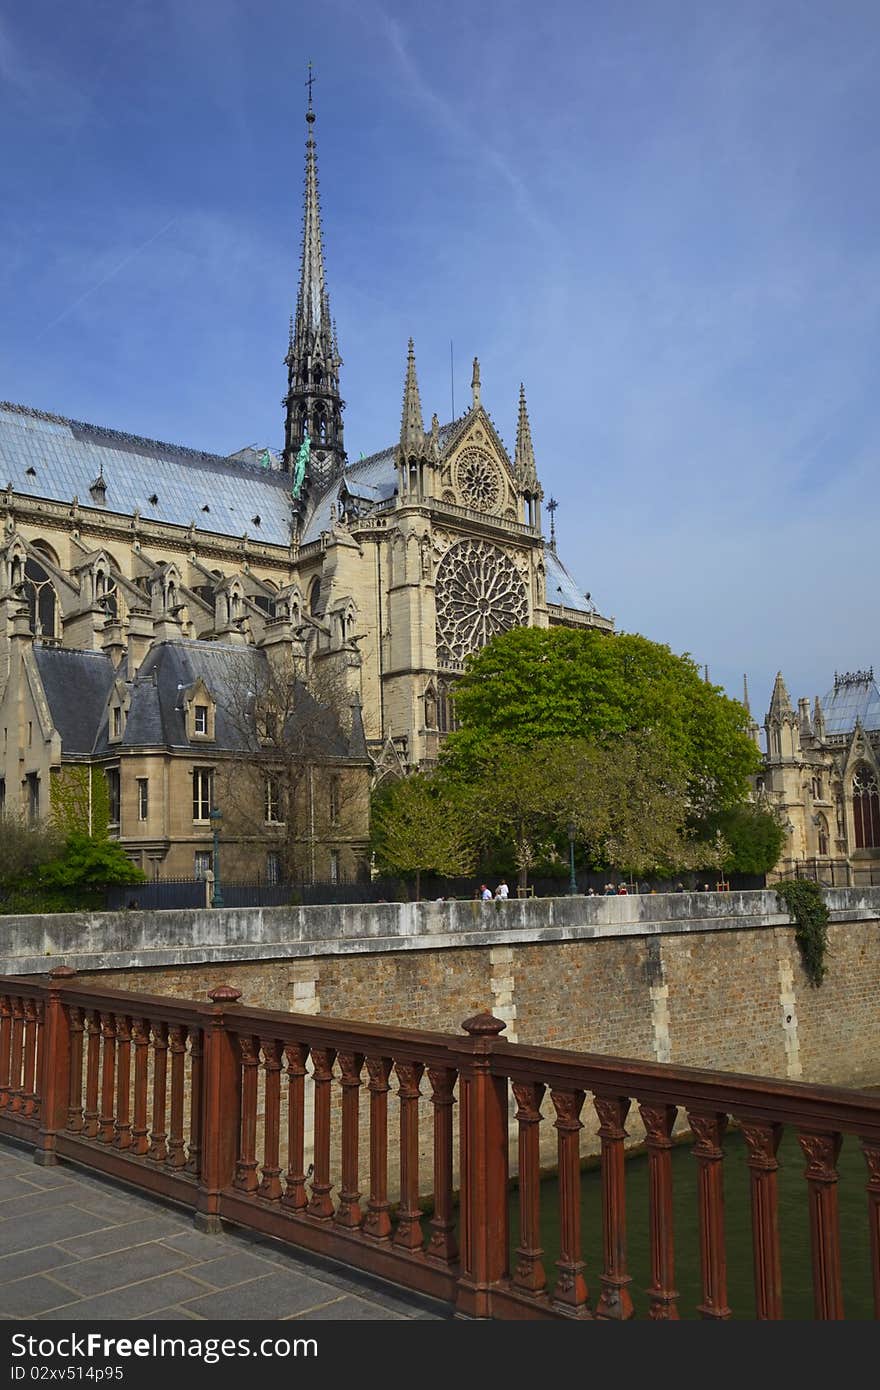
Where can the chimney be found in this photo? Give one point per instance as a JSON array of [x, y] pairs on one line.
[[140, 640], [113, 641]]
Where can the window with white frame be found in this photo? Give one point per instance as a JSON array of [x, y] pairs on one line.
[[273, 801], [334, 866], [113, 794], [203, 792], [200, 719], [143, 791], [203, 863], [273, 868]]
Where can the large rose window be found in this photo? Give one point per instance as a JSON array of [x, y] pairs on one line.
[[479, 594], [478, 480]]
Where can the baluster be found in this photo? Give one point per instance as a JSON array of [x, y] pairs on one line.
[[295, 1190], [74, 1098], [709, 1130], [321, 1203], [38, 1061], [442, 1244], [529, 1273], [108, 1077], [658, 1121], [821, 1151], [615, 1300], [409, 1230], [762, 1140], [5, 1048], [16, 1096], [93, 1059], [177, 1047], [140, 1032], [246, 1179], [270, 1182], [197, 1100], [348, 1213], [29, 1079], [571, 1294], [158, 1150], [122, 1129], [377, 1222], [871, 1150]]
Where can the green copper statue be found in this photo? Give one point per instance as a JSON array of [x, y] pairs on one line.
[[299, 468]]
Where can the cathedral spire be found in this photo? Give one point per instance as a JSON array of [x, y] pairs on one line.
[[779, 700], [412, 429], [313, 404], [414, 448], [524, 466]]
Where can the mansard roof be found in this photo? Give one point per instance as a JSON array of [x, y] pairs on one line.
[[229, 672], [91, 676], [854, 696], [49, 456]]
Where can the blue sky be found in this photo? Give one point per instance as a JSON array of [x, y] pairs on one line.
[[662, 217]]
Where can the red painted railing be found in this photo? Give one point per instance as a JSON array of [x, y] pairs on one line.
[[218, 1106]]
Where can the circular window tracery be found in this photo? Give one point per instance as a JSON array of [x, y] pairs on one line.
[[479, 594], [478, 480]]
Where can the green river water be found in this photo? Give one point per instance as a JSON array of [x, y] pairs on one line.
[[793, 1225]]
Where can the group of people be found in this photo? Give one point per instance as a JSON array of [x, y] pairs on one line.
[[501, 894]]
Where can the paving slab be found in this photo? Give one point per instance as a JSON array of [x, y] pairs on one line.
[[77, 1246]]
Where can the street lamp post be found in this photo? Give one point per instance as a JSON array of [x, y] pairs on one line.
[[217, 895], [572, 881]]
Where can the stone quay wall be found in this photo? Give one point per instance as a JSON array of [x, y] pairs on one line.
[[702, 979]]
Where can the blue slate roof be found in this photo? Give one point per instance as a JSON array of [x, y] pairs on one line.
[[89, 675], [852, 697], [49, 456], [561, 588]]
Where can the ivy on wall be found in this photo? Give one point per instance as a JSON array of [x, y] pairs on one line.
[[805, 905]]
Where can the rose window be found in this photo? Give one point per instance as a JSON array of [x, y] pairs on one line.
[[478, 480], [479, 594]]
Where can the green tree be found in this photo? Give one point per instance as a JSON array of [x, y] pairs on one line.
[[419, 826], [534, 684], [26, 848], [89, 866], [625, 800], [753, 836]]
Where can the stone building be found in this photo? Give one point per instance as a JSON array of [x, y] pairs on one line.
[[122, 557], [822, 772]]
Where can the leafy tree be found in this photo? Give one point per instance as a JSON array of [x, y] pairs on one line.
[[26, 847], [753, 836], [533, 684], [418, 826], [89, 865], [625, 800]]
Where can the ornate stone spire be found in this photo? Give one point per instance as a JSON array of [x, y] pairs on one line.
[[413, 450], [524, 454], [412, 429], [818, 719], [313, 404], [779, 702]]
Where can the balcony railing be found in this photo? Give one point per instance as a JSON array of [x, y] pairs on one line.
[[275, 1120]]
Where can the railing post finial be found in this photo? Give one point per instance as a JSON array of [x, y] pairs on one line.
[[224, 994]]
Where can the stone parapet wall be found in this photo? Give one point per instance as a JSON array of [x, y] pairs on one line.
[[722, 986]]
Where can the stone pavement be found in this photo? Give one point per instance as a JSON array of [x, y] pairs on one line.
[[74, 1246]]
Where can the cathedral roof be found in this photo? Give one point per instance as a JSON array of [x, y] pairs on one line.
[[49, 456], [854, 696], [561, 588]]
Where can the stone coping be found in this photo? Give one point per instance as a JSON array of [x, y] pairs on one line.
[[125, 940]]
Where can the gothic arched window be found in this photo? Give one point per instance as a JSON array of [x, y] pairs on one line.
[[866, 808], [822, 828], [315, 597], [40, 598]]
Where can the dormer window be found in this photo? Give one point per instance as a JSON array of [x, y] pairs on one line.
[[200, 712], [117, 721]]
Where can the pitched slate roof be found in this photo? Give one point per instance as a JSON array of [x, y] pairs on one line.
[[76, 685], [49, 456]]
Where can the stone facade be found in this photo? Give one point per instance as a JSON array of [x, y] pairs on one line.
[[822, 775]]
